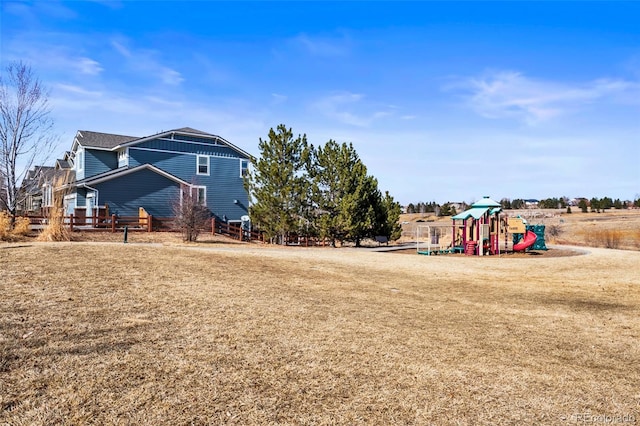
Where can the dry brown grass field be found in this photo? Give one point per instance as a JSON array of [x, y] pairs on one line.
[[213, 333]]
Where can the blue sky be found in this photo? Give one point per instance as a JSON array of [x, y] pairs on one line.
[[444, 101]]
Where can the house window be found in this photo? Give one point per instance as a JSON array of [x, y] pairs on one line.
[[47, 195], [79, 160], [200, 193], [244, 167], [123, 157], [203, 165]]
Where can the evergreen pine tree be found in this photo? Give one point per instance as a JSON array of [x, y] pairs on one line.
[[278, 186], [335, 171], [390, 218]]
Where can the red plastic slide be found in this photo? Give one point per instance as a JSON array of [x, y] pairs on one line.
[[529, 239]]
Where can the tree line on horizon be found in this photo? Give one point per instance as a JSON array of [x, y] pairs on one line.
[[325, 192], [595, 204]]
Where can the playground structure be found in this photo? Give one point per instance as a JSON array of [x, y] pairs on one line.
[[526, 236], [434, 239], [477, 231]]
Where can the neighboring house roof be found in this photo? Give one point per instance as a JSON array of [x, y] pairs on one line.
[[62, 164], [36, 177], [122, 171], [46, 174]]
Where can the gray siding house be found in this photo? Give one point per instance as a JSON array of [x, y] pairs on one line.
[[125, 173]]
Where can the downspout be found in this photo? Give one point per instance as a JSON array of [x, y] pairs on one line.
[[84, 185]]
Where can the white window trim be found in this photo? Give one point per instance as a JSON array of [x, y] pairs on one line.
[[80, 159], [197, 189], [67, 202], [47, 195], [194, 189], [198, 157], [241, 161]]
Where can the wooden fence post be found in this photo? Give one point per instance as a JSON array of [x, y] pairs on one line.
[[93, 218], [149, 223], [71, 222], [113, 223], [213, 226]]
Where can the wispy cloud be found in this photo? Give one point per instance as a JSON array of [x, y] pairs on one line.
[[121, 48], [510, 94], [30, 11], [111, 4], [145, 112], [77, 90], [89, 66], [146, 61], [170, 76], [349, 108], [277, 98], [57, 55], [323, 46]]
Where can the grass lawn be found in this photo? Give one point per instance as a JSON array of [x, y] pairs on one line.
[[210, 334]]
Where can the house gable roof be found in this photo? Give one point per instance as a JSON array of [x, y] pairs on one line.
[[192, 131], [41, 175], [187, 131], [62, 164], [112, 142], [36, 176]]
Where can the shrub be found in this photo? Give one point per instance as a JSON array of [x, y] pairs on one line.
[[22, 226], [190, 216], [553, 230], [5, 226], [55, 229], [609, 238], [635, 238]]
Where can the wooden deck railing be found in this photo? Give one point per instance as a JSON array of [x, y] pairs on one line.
[[114, 223]]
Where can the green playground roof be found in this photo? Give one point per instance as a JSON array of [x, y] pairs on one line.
[[486, 202], [475, 212]]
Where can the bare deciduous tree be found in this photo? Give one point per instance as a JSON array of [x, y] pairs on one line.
[[191, 216], [25, 130]]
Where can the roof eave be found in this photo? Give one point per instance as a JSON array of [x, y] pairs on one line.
[[125, 172], [197, 135]]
